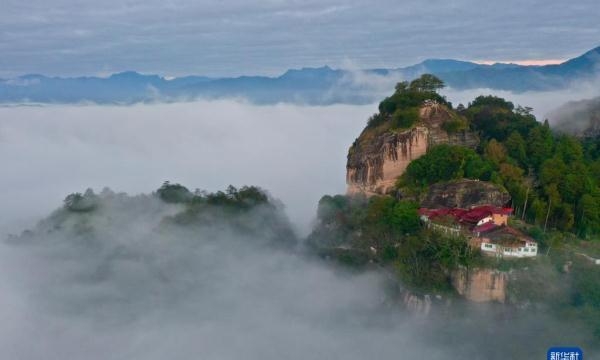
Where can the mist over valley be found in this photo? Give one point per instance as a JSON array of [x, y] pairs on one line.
[[299, 180]]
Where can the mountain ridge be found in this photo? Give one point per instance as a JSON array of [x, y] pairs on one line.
[[309, 85]]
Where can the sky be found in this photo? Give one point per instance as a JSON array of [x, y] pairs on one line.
[[227, 38]]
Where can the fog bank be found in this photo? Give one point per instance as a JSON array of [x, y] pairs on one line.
[[542, 102], [123, 282], [297, 153], [117, 284]]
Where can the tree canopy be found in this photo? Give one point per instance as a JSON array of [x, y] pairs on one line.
[[407, 97]]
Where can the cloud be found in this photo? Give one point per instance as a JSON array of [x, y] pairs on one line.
[[121, 283], [268, 37], [115, 284], [577, 117]]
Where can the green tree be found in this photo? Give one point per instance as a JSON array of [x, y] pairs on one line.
[[405, 118], [539, 145], [516, 147], [426, 83], [491, 101], [442, 163], [402, 86], [405, 217], [588, 210], [174, 193], [496, 152], [569, 149]]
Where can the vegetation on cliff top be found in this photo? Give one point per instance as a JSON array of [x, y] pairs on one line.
[[400, 111], [411, 95]]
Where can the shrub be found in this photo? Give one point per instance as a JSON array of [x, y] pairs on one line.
[[174, 193], [405, 118]]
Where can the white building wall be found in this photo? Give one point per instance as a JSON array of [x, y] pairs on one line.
[[525, 251]]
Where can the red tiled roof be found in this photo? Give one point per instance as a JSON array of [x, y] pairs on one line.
[[472, 215]]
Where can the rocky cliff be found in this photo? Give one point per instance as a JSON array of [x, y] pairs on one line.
[[465, 194], [382, 154], [373, 167], [480, 285]]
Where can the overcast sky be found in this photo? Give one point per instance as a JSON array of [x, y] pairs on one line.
[[176, 37]]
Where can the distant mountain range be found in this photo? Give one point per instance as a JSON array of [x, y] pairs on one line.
[[321, 86]]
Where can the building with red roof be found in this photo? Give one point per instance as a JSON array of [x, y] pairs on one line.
[[486, 227]]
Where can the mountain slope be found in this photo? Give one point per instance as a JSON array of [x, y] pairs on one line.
[[526, 78]]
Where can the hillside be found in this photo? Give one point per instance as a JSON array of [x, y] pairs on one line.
[[417, 139], [526, 78]]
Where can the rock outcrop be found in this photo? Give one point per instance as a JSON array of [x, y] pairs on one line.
[[480, 285], [379, 156], [373, 168], [465, 194]]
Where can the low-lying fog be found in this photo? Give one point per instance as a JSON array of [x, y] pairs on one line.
[[296, 153], [135, 293], [541, 102]]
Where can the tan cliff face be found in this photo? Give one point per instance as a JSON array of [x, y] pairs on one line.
[[375, 169], [480, 285], [378, 158]]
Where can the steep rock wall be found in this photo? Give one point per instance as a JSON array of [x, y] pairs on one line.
[[480, 285], [376, 160], [374, 169]]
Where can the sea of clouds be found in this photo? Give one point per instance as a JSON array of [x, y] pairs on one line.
[[134, 291]]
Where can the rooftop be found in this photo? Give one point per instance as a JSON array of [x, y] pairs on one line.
[[465, 216]]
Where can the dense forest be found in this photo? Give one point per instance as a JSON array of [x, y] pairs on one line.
[[553, 178]]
